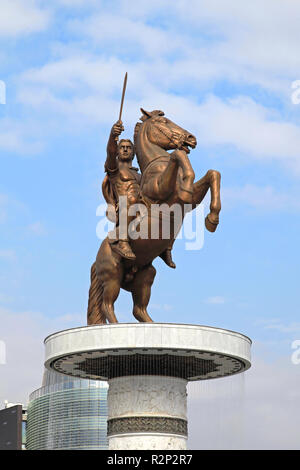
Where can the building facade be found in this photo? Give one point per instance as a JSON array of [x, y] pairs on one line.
[[13, 418], [67, 413]]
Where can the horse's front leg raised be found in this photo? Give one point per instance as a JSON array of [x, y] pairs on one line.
[[161, 180], [211, 180], [185, 191]]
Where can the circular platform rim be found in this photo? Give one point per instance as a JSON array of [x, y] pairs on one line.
[[170, 338], [151, 325]]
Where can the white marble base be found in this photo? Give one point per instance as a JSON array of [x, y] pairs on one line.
[[147, 395], [147, 412]]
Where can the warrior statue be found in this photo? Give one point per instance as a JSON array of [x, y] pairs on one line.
[[123, 179], [167, 178]]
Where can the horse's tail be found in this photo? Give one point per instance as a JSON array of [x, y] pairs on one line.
[[94, 314]]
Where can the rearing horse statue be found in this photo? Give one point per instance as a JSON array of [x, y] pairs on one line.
[[167, 179]]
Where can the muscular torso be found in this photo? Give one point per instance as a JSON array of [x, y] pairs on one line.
[[125, 182]]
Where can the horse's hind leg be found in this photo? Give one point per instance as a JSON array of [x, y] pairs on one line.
[[141, 290], [110, 270], [111, 289]]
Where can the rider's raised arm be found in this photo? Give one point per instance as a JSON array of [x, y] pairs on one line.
[[112, 146]]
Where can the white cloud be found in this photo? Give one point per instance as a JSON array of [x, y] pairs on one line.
[[216, 300], [22, 17], [9, 255], [165, 307], [5, 298], [251, 128], [94, 85], [23, 334], [116, 31], [78, 3], [18, 137], [10, 210], [248, 37], [84, 85], [70, 318], [23, 338], [144, 10], [3, 208], [218, 41], [264, 198], [279, 325], [37, 228], [255, 410]]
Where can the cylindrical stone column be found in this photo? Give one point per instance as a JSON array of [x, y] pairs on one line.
[[147, 412]]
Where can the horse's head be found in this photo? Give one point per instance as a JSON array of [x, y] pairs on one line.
[[164, 133]]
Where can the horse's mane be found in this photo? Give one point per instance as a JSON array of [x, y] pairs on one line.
[[146, 115]]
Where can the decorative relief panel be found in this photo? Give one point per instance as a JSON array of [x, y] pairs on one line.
[[140, 424], [147, 395]]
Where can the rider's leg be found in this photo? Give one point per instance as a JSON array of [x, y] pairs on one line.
[[121, 245]]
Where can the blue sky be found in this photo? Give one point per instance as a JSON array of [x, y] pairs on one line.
[[221, 69]]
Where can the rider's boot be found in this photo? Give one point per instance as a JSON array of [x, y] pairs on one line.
[[123, 248], [166, 256]]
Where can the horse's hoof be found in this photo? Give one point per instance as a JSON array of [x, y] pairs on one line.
[[211, 227]]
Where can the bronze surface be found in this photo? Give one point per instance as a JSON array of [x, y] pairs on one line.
[[166, 178]]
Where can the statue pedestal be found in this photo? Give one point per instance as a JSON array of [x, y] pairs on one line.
[[147, 412], [147, 366]]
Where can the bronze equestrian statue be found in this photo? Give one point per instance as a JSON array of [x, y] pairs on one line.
[[167, 179], [123, 180]]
